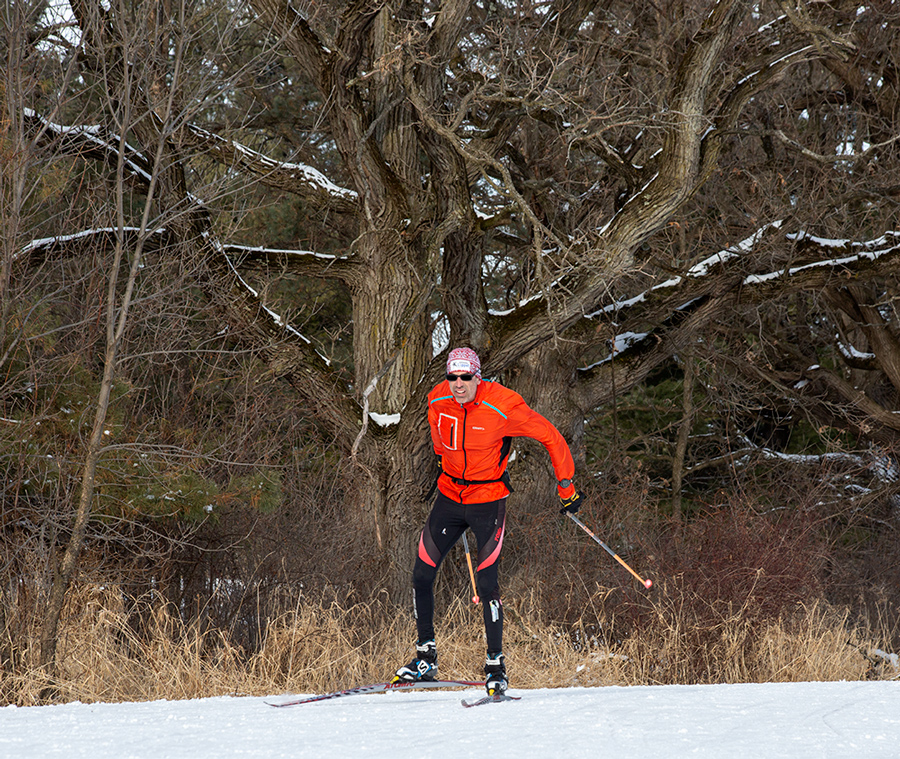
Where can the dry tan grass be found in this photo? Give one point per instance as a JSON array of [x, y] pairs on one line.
[[321, 646]]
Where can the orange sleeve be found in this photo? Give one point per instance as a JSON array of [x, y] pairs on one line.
[[523, 421]]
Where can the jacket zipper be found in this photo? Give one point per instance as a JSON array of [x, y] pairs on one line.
[[463, 444]]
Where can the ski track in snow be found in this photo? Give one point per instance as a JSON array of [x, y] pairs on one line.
[[795, 720]]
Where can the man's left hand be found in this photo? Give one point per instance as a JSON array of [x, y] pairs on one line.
[[572, 503]]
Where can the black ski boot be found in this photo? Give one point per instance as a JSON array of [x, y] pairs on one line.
[[496, 680], [423, 667]]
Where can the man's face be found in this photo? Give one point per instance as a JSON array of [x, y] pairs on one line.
[[463, 390]]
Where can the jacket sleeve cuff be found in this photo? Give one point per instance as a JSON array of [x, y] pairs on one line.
[[567, 492]]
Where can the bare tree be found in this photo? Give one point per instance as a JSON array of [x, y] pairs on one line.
[[111, 260], [505, 176]]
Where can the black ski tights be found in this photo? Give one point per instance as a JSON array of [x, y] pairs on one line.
[[446, 524]]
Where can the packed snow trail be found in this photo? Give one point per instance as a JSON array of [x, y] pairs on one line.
[[796, 720]]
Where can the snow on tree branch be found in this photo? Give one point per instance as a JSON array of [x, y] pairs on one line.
[[695, 284], [293, 177], [291, 260], [276, 320], [95, 141], [283, 174], [856, 253], [106, 234], [91, 139]]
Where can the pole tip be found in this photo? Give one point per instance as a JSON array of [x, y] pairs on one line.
[[648, 583]]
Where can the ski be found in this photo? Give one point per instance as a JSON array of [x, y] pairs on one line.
[[497, 698], [364, 690]]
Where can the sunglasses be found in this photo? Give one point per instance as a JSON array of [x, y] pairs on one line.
[[463, 377]]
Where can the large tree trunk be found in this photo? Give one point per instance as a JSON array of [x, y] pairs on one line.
[[396, 470]]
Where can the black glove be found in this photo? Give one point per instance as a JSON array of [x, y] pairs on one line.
[[572, 503]]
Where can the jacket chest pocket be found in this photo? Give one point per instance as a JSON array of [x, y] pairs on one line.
[[448, 430]]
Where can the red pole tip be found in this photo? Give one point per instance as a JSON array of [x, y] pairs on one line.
[[475, 599], [648, 583]]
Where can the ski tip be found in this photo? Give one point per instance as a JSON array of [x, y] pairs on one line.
[[295, 702], [497, 698]]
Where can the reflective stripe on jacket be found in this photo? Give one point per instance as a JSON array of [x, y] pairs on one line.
[[473, 440]]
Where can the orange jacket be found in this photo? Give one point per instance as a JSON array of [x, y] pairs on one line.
[[473, 440]]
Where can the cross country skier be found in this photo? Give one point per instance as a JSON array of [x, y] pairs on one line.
[[472, 423]]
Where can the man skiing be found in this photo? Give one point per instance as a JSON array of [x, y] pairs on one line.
[[472, 425]]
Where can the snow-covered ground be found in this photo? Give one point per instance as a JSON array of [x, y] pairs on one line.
[[848, 719]]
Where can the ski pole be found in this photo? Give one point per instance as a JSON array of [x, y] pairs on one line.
[[645, 583], [475, 598]]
